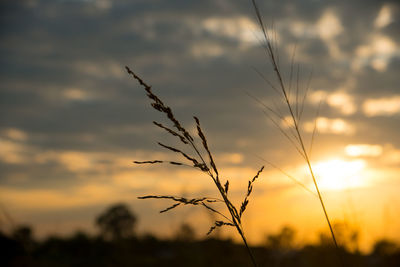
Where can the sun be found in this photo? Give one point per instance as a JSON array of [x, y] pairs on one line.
[[338, 174]]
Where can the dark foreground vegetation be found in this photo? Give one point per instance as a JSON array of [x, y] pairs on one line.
[[81, 250], [117, 245]]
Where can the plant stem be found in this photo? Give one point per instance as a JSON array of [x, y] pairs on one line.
[[306, 157], [236, 220], [247, 246], [303, 151], [231, 208]]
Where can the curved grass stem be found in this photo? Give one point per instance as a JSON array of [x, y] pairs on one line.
[[294, 114]]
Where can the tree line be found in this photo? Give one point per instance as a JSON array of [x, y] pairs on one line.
[[118, 244]]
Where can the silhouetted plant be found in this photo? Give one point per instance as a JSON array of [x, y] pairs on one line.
[[202, 161], [347, 236], [294, 107]]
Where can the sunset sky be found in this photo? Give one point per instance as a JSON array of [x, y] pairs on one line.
[[72, 120]]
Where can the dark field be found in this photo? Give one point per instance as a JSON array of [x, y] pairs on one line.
[[81, 250]]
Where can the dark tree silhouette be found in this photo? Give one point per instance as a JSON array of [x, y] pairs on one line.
[[117, 222], [385, 247], [24, 235], [284, 240], [185, 233]]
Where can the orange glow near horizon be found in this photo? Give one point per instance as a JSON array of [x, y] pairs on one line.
[[338, 174]]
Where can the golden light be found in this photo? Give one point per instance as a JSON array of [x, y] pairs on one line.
[[363, 150], [337, 174]]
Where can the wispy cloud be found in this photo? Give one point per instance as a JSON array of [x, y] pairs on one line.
[[241, 29], [363, 150], [384, 17], [340, 100], [382, 106], [330, 126]]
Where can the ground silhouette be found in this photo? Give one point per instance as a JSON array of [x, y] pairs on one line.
[[118, 245]]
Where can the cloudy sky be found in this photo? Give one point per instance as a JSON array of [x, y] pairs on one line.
[[72, 120]]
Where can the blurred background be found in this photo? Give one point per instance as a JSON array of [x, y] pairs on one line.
[[72, 120]]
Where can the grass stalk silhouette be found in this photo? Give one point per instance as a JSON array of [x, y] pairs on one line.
[[202, 161], [295, 110], [294, 107]]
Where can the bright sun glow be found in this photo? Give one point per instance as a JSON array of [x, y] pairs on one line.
[[339, 174]]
